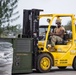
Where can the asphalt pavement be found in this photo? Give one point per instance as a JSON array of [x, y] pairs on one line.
[[54, 71]]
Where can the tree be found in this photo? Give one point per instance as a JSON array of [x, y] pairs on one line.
[[68, 26], [6, 11], [15, 30]]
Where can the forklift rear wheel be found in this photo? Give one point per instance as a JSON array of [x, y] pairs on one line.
[[60, 67], [44, 63], [74, 64]]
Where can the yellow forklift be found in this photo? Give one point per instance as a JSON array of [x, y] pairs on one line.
[[65, 54]]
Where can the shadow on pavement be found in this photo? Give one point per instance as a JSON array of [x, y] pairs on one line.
[[57, 70]]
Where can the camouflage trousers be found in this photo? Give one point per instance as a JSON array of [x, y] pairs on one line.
[[55, 39]]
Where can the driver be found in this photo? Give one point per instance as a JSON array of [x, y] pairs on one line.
[[57, 35]]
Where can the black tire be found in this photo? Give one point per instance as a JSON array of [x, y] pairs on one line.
[[74, 64], [44, 63], [62, 67]]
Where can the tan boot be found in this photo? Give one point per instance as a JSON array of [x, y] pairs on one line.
[[49, 45]]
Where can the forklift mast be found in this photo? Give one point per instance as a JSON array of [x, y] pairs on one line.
[[31, 23], [31, 29]]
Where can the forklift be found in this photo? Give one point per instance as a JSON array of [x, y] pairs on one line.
[[65, 54], [31, 52]]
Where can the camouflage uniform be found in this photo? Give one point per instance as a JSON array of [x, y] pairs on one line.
[[55, 38]]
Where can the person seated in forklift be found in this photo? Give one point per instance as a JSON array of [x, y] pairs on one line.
[[57, 35]]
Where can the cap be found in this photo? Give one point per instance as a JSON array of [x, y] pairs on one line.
[[58, 20]]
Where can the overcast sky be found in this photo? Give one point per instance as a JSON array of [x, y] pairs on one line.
[[49, 6]]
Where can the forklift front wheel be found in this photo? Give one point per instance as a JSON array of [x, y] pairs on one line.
[[44, 63], [74, 64]]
